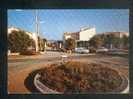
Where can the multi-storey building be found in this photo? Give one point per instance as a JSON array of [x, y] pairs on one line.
[[117, 34], [82, 37], [119, 42]]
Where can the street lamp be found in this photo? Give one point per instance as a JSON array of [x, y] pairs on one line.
[[37, 30], [36, 27], [37, 22]]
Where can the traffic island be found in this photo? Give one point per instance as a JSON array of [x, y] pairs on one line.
[[77, 77]]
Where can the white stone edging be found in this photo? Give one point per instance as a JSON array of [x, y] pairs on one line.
[[126, 90], [41, 87], [45, 90]]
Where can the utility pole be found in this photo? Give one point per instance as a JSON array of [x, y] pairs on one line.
[[37, 30]]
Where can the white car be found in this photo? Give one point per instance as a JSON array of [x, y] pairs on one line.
[[81, 50], [101, 50]]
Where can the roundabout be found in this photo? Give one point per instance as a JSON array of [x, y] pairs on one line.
[[77, 77]]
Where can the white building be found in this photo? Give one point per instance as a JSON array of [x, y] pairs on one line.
[[86, 34], [32, 35], [82, 37]]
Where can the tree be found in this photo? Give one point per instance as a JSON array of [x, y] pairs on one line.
[[110, 40], [70, 44], [40, 43], [96, 41], [125, 41], [19, 41], [44, 43]]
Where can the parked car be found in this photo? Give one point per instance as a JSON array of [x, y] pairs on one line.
[[102, 50], [81, 50]]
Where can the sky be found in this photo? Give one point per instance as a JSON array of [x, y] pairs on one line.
[[54, 22]]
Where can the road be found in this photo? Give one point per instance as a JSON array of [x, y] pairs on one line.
[[19, 67]]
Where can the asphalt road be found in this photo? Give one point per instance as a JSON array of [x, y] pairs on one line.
[[23, 62]]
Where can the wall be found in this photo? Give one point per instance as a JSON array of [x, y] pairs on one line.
[[87, 34]]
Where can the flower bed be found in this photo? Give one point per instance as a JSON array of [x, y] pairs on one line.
[[76, 77]]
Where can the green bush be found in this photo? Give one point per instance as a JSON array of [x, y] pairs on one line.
[[19, 41]]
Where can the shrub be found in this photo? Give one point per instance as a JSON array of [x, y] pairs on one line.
[[75, 77], [28, 52], [19, 41]]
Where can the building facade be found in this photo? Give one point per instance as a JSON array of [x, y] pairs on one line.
[[73, 35], [81, 37], [118, 42], [31, 35], [117, 34], [86, 34]]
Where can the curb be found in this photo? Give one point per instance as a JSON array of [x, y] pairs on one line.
[[42, 88], [45, 90]]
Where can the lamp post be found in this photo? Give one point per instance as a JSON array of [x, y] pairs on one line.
[[37, 30], [37, 22]]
